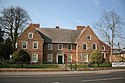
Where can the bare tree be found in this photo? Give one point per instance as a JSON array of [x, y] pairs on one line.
[[109, 25], [13, 20]]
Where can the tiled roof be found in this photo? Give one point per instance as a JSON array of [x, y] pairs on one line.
[[56, 35]]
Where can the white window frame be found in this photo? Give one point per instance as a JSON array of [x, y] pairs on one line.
[[95, 47], [22, 44], [36, 43], [104, 54], [83, 45], [68, 47], [29, 34], [70, 57], [51, 46], [36, 56], [90, 37], [87, 58], [104, 48], [59, 48], [48, 58]]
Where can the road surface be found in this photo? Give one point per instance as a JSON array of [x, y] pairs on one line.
[[108, 76]]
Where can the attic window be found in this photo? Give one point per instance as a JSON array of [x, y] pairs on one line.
[[30, 35], [89, 37]]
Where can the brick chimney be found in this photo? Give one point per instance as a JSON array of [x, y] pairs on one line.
[[36, 25], [80, 27]]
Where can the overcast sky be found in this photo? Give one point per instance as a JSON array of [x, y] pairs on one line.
[[67, 13]]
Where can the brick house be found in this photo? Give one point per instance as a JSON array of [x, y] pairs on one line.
[[55, 45]]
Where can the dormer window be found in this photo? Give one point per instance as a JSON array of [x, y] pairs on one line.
[[30, 35], [89, 37]]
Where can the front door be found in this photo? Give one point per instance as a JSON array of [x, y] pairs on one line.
[[59, 59]]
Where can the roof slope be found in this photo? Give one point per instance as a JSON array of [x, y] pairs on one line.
[[58, 35]]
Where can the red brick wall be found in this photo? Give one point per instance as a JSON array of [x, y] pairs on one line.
[[94, 39], [36, 37], [55, 51]]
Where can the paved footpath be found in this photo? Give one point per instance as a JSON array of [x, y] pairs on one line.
[[60, 73]]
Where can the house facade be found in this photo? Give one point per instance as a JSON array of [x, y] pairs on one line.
[[56, 45]]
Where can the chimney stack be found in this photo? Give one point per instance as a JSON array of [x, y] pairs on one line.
[[80, 27]]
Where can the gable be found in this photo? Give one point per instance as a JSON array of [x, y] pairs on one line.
[[30, 29]]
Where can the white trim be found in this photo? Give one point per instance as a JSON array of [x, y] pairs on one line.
[[48, 56], [95, 47], [70, 57], [33, 45], [58, 46], [35, 57], [86, 46], [68, 47], [62, 58], [30, 33], [51, 48], [22, 44]]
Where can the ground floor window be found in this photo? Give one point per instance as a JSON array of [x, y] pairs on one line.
[[35, 57], [85, 57], [69, 58], [49, 57]]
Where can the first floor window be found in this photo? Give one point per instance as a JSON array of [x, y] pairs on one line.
[[49, 46], [85, 57], [70, 47], [69, 58], [49, 57], [85, 46], [94, 46], [60, 46], [24, 45], [104, 55], [35, 57], [35, 45]]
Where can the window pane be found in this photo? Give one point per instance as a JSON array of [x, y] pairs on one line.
[[94, 46], [84, 46], [35, 44], [69, 58], [49, 46], [30, 35], [49, 58], [89, 37], [85, 57], [35, 57], [69, 47], [60, 46], [24, 45]]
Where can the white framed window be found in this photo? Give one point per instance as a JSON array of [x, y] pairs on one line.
[[35, 45], [85, 46], [69, 47], [89, 37], [104, 54], [94, 46], [49, 57], [34, 57], [30, 35], [69, 58], [85, 58], [50, 46], [103, 48], [60, 46], [24, 45]]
